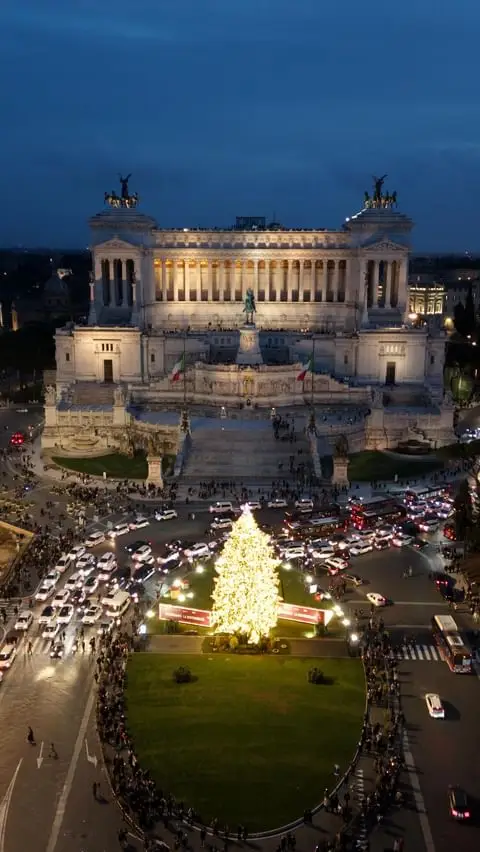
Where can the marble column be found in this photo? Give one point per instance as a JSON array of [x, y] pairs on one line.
[[325, 279], [186, 272], [209, 281], [388, 272], [336, 280], [301, 283], [289, 280], [256, 273], [266, 280], [164, 280], [125, 285], [363, 291], [221, 280], [313, 279]]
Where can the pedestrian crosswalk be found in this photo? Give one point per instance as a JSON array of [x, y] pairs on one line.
[[427, 653]]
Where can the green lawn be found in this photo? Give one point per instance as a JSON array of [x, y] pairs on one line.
[[250, 741], [376, 465], [115, 465]]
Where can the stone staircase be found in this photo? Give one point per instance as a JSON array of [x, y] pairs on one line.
[[92, 393], [244, 450]]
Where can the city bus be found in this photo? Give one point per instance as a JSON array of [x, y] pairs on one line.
[[367, 515], [316, 527], [449, 640], [424, 493]]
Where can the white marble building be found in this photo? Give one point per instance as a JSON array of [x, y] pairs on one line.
[[339, 296]]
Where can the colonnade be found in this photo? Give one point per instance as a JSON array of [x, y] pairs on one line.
[[118, 277], [228, 280], [385, 281]]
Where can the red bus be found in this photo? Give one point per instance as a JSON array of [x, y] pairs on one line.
[[371, 513], [449, 640], [316, 527]]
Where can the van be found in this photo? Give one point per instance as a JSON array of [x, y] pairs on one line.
[[221, 506], [94, 539], [8, 654], [116, 603]]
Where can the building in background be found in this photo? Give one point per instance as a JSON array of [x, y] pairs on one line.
[[426, 295]]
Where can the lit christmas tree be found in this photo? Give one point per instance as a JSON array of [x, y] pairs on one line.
[[245, 595]]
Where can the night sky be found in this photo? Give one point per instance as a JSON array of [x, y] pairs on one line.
[[222, 108]]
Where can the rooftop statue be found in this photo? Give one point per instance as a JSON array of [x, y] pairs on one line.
[[249, 306], [125, 199]]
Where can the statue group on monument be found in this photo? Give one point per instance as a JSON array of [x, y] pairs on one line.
[[125, 199], [379, 199]]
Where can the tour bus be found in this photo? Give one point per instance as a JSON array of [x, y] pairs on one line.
[[424, 493], [367, 515], [449, 640], [316, 527]]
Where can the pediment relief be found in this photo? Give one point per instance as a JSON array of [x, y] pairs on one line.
[[387, 246], [115, 244]]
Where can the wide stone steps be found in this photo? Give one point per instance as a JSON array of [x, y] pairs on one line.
[[249, 452], [91, 393]]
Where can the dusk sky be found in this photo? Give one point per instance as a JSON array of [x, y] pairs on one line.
[[222, 108]]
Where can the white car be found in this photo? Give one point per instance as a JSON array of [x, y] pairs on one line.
[[139, 522], [434, 706], [105, 565], [44, 592], [61, 598], [253, 505], [75, 581], [320, 554], [92, 615], [63, 563], [304, 504], [165, 515], [335, 565], [297, 552], [278, 503], [401, 540], [24, 620], [142, 552], [46, 617], [119, 529], [51, 630], [76, 552], [8, 652], [197, 550], [106, 626], [383, 535], [52, 578], [65, 614], [360, 548], [90, 585], [86, 564], [221, 524], [95, 538], [376, 599], [352, 538]]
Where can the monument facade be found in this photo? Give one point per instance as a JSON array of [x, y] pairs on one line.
[[243, 310]]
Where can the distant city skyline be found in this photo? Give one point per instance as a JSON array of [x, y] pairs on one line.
[[231, 110]]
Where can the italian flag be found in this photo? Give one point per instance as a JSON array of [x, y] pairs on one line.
[[178, 369], [307, 368]]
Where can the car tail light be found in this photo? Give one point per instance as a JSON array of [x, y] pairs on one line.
[[467, 814], [454, 812]]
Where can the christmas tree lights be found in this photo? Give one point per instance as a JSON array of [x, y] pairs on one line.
[[245, 594]]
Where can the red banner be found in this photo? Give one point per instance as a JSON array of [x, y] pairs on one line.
[[304, 614], [168, 612], [202, 617]]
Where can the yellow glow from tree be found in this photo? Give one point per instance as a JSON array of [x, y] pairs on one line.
[[245, 594]]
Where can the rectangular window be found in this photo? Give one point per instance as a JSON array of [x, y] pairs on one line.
[[432, 360], [345, 359], [152, 357], [67, 356]]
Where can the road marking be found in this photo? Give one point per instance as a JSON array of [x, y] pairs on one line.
[[92, 758], [40, 756], [417, 795], [426, 652], [62, 802], [419, 652], [5, 806]]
